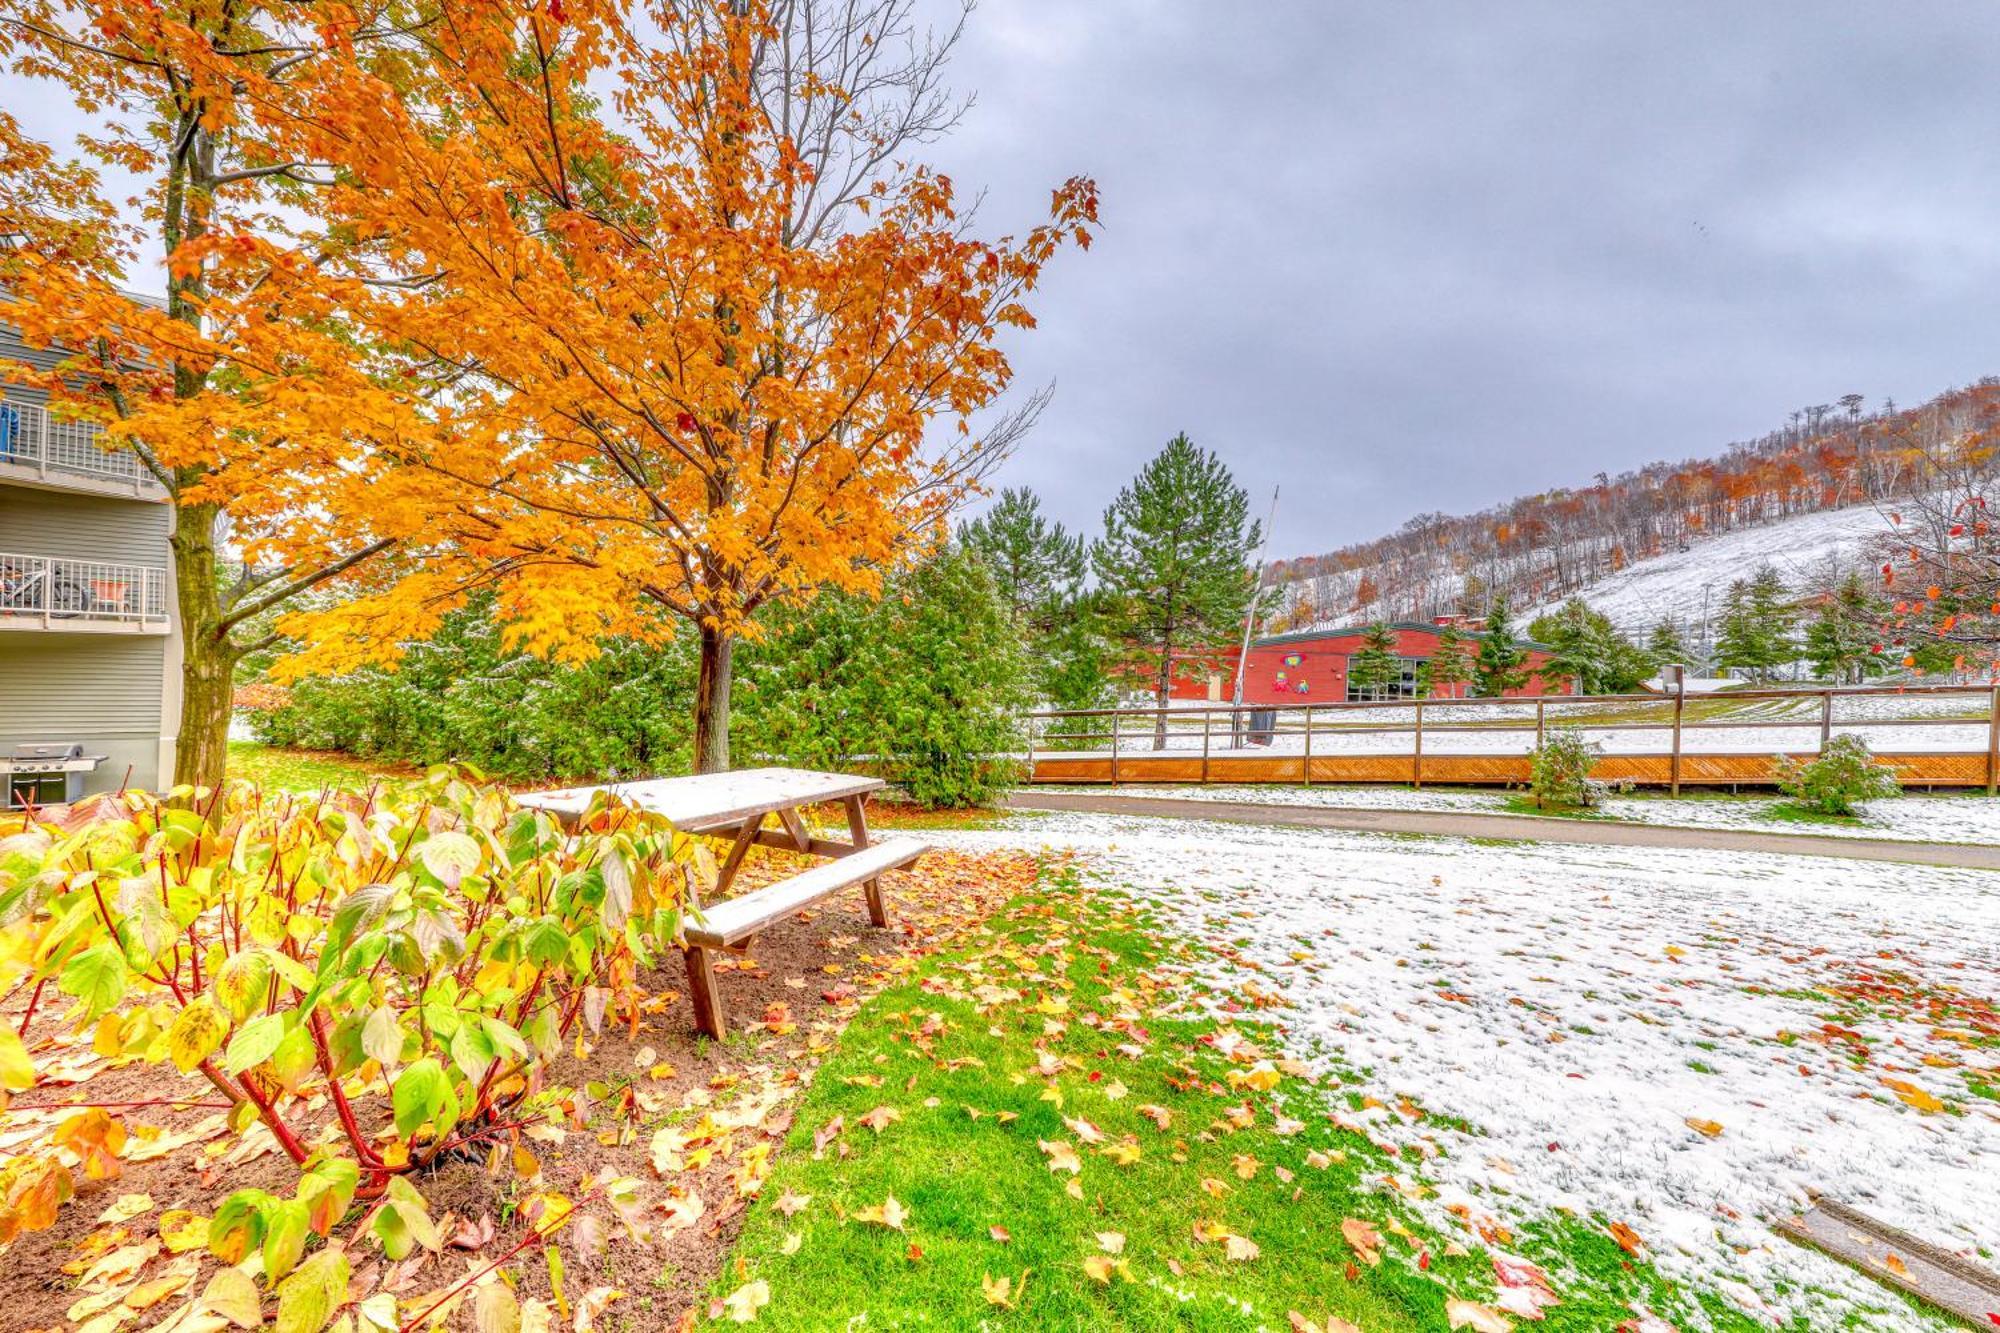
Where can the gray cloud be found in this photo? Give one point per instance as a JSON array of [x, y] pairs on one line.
[[1416, 255]]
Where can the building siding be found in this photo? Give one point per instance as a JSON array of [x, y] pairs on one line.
[[101, 689], [83, 527]]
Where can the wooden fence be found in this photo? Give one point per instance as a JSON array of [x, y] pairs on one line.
[[1469, 742]]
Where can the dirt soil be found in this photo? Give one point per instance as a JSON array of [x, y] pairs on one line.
[[787, 998]]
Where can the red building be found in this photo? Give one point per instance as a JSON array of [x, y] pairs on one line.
[[1312, 666]]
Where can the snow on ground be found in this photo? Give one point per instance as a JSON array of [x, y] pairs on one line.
[[1579, 1007], [1670, 586], [1961, 819]]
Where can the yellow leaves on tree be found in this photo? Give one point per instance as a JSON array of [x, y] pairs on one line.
[[694, 359]]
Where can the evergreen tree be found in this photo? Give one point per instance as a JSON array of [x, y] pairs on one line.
[[1840, 643], [1038, 568], [1757, 621], [1502, 664], [1665, 647], [1174, 563], [1587, 651], [1448, 669], [1372, 670]]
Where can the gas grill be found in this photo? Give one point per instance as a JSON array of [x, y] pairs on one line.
[[45, 774]]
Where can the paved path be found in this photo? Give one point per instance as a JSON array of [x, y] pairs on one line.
[[1531, 828]]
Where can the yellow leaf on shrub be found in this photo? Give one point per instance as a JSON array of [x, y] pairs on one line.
[[197, 1033]]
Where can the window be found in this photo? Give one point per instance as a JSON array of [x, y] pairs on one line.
[[1402, 686]]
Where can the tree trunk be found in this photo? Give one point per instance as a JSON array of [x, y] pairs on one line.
[[1160, 698], [208, 659], [711, 701]]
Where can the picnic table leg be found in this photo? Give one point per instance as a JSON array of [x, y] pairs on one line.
[[702, 990], [857, 830], [745, 835]]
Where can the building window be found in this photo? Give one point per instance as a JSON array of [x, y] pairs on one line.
[[1401, 686]]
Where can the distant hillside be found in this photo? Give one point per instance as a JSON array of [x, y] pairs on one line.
[[1641, 544]]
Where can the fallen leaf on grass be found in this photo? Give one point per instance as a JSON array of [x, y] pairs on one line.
[[888, 1213], [1913, 1096], [744, 1302], [880, 1118], [1709, 1127], [1084, 1130], [1628, 1239], [1111, 1242], [1479, 1318], [1364, 1239], [1000, 1234], [1062, 1156], [791, 1204], [1240, 1248], [1159, 1115], [1004, 1292]]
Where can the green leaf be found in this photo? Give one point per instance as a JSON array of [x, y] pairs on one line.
[[294, 1058], [197, 1033], [243, 983], [450, 855], [357, 912], [254, 1043], [238, 1225], [17, 1070], [382, 1037], [472, 1051], [309, 1296], [286, 1227], [419, 1096], [97, 978]]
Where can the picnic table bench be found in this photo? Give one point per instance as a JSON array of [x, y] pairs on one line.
[[737, 807]]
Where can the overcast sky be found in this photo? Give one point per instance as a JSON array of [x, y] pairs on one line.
[[1406, 255]]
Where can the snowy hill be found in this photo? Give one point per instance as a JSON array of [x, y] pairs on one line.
[[1670, 586]]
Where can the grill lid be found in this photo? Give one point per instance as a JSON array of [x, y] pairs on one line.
[[55, 750]]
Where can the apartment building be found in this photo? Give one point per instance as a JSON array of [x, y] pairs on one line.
[[89, 645]]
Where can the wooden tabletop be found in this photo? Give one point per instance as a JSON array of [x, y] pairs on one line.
[[702, 801]]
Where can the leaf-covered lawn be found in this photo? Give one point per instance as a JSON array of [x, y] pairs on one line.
[[309, 770], [1046, 1128]]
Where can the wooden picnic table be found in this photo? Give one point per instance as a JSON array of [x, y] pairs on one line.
[[736, 807]]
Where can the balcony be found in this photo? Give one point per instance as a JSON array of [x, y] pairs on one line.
[[39, 449], [81, 596]]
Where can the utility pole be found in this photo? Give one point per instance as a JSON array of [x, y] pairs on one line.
[[1250, 616]]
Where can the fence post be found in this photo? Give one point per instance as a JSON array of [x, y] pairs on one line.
[[1417, 763], [1825, 720], [1308, 772], [1117, 716], [1674, 765], [1207, 720], [1993, 743], [1540, 703]]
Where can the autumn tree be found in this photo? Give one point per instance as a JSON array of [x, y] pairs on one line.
[[238, 394], [714, 348], [1174, 563]]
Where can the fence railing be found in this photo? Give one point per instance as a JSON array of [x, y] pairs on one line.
[[31, 437], [1961, 719], [57, 592]]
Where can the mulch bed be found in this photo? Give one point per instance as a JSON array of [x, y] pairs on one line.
[[788, 1000]]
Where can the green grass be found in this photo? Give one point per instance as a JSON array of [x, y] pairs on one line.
[[1060, 1008], [307, 770]]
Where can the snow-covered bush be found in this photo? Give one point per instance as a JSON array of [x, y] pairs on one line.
[[1844, 775], [1560, 774]]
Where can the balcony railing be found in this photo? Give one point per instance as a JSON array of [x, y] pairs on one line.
[[81, 592], [30, 437]]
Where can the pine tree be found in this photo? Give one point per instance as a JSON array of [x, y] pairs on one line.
[[1038, 568], [1665, 647], [1448, 669], [1757, 621], [1374, 669], [1174, 563], [1502, 664], [1840, 643], [1587, 651], [1037, 565]]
